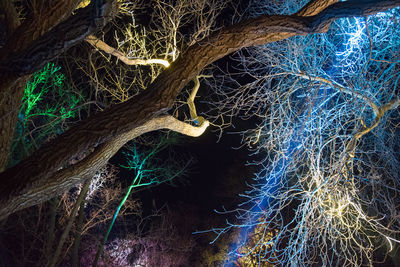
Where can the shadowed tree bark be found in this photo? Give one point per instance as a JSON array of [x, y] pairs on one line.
[[26, 51], [46, 173]]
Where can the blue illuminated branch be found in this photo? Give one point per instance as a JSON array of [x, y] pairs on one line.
[[329, 105]]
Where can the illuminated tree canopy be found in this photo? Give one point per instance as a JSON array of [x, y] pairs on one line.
[[328, 187], [324, 83]]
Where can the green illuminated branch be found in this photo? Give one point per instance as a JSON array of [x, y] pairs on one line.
[[39, 119], [48, 77], [147, 173], [34, 174]]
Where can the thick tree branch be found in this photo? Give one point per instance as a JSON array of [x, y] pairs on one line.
[[56, 41], [34, 27], [190, 101], [20, 37], [65, 178], [39, 177]]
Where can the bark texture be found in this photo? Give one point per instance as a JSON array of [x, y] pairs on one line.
[[45, 174], [64, 178], [56, 40], [20, 37]]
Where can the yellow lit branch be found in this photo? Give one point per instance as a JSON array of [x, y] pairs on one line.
[[381, 112], [185, 128], [99, 44], [192, 96]]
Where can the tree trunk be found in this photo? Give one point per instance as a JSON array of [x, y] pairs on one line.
[[71, 219], [10, 104], [51, 229], [78, 235]]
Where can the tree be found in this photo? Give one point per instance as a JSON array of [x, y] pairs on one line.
[[327, 191], [51, 170], [102, 153], [70, 226]]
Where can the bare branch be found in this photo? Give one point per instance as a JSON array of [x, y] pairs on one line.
[[343, 89], [99, 44], [71, 219], [192, 96]]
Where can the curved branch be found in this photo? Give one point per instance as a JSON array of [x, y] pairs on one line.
[[393, 104], [192, 96], [67, 177], [99, 44]]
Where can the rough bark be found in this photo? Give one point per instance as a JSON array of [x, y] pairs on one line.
[[44, 174], [51, 227], [36, 25], [78, 235], [10, 101], [68, 33], [63, 179], [7, 9], [21, 36]]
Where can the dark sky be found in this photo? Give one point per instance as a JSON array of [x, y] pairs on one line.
[[218, 173]]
